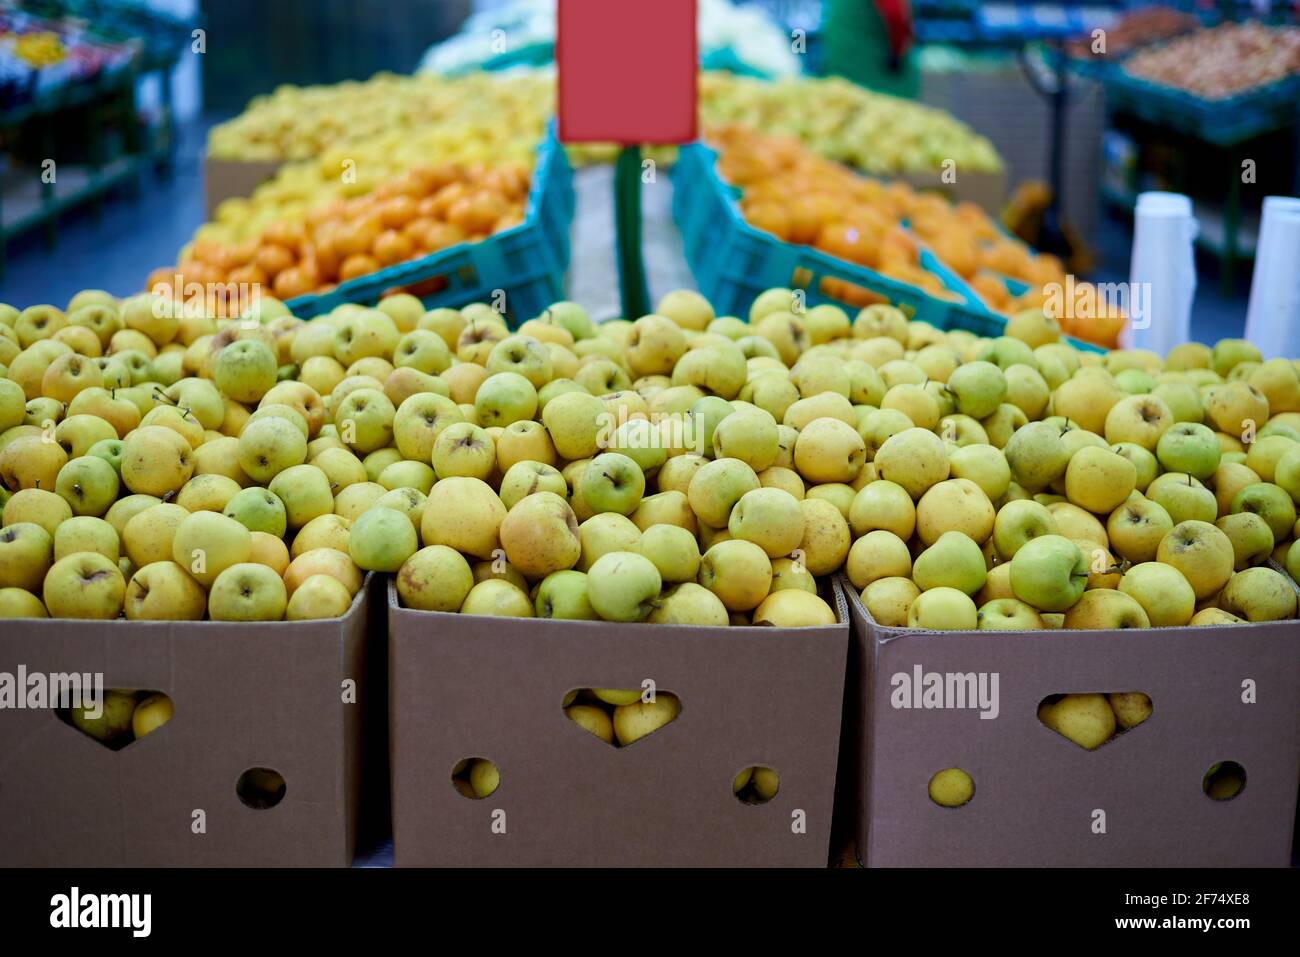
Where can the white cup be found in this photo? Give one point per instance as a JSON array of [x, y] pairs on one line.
[[1273, 315]]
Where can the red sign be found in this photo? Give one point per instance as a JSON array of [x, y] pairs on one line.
[[627, 71]]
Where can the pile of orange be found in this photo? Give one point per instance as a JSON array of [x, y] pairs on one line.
[[416, 213], [800, 197]]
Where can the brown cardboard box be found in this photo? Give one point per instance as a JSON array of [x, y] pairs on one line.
[[986, 190], [1041, 800], [225, 179], [463, 686], [245, 695]]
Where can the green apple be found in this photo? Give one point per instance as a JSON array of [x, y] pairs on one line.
[[245, 370], [1106, 609], [1019, 522], [1085, 719], [1183, 497], [248, 592], [1145, 464], [1255, 594], [641, 441], [525, 478], [365, 420], [716, 487], [1049, 572], [163, 591], [770, 518], [612, 482], [267, 447], [1271, 503], [155, 461], [575, 420], [953, 561], [942, 609], [1036, 456], [1008, 614], [418, 422], [84, 585], [88, 484], [979, 388], [207, 543], [26, 553], [623, 586], [435, 578], [1251, 538], [110, 450], [381, 540], [674, 552], [1162, 591], [1098, 479], [563, 595], [540, 535], [1136, 528], [738, 572], [407, 475], [1229, 353], [706, 414], [1189, 447], [1182, 399], [306, 494], [504, 398], [112, 724], [464, 449], [984, 465], [915, 458], [1202, 552], [86, 534], [751, 436]]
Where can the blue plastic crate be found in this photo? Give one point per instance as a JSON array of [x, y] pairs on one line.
[[1222, 122], [526, 262], [733, 262]]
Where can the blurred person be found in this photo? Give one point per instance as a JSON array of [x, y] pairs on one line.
[[870, 42]]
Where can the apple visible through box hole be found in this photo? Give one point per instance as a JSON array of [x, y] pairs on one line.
[[620, 716]]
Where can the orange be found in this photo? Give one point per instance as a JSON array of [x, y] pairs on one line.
[[360, 264], [392, 247], [273, 259]]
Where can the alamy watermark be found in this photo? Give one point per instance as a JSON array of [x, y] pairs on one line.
[[923, 690], [57, 689]]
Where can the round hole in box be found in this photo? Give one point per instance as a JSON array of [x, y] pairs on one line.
[[475, 778], [1224, 781], [261, 788], [756, 784], [951, 787]]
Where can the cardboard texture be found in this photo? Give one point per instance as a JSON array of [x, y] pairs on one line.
[[1037, 794], [986, 190], [467, 686], [228, 179], [245, 695]]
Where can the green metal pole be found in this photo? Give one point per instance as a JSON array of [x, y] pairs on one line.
[[627, 221]]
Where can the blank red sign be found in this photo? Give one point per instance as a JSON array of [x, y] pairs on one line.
[[627, 71]]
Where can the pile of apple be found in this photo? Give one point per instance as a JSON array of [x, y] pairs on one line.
[[681, 468], [1017, 483]]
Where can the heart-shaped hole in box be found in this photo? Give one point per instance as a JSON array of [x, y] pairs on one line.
[[621, 716], [1094, 718], [117, 717]]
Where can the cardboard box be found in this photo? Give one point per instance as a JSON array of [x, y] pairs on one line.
[[467, 686], [1040, 799], [245, 696], [986, 190], [227, 179]]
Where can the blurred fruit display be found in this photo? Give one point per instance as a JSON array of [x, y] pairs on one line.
[[407, 216], [800, 197], [1222, 62], [1135, 29], [846, 123]]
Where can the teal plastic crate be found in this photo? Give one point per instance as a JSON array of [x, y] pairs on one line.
[[1222, 122], [526, 262], [733, 262]]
